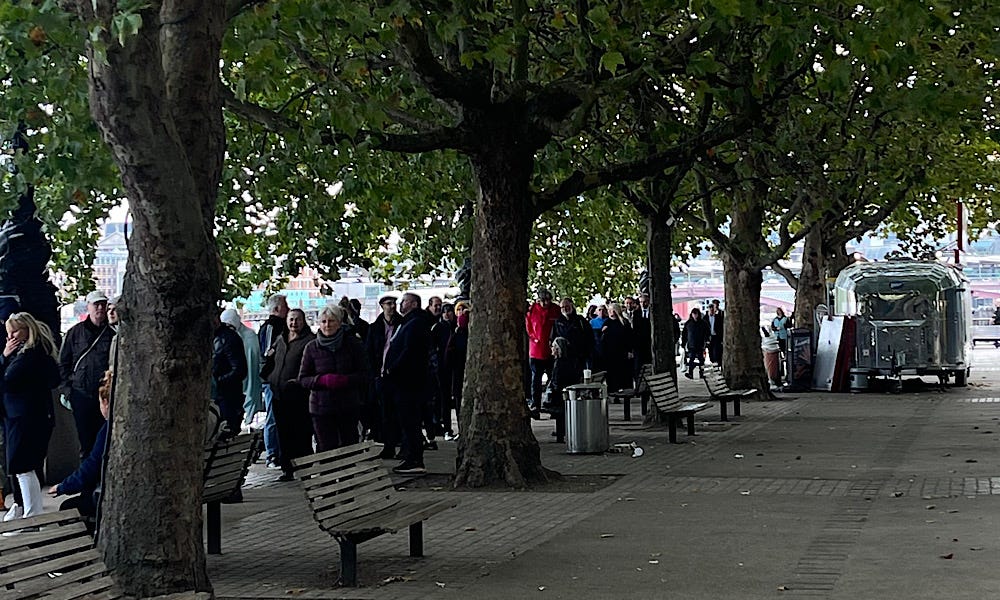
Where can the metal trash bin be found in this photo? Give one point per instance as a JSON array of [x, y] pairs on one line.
[[587, 418]]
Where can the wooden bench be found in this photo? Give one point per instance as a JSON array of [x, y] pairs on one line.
[[719, 390], [226, 466], [57, 562], [641, 391], [352, 499], [663, 391]]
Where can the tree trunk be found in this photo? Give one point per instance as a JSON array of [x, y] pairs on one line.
[[497, 445], [659, 245], [742, 360], [811, 290], [156, 102]]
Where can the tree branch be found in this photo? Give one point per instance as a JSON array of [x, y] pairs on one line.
[[416, 55], [580, 182], [790, 278], [235, 8]]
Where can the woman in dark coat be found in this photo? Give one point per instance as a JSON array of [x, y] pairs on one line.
[[333, 370], [455, 355], [290, 401], [695, 340], [30, 373], [616, 350], [566, 371]]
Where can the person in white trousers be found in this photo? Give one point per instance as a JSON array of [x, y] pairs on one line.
[[30, 373]]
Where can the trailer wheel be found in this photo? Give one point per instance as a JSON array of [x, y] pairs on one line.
[[961, 378]]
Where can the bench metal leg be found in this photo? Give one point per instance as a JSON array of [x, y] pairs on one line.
[[628, 407], [644, 404], [348, 563], [417, 539], [214, 522], [723, 409], [690, 420], [672, 427], [736, 407]]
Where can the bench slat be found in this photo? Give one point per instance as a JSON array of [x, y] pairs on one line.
[[396, 518], [45, 519], [68, 586], [12, 559], [305, 462], [320, 481], [58, 564], [329, 494], [51, 533], [354, 500], [361, 508], [317, 469]]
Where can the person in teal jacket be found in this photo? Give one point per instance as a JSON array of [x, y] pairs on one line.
[[252, 384]]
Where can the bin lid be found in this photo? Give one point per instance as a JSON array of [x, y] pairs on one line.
[[585, 386]]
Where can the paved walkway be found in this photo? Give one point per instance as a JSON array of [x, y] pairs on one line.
[[819, 496]]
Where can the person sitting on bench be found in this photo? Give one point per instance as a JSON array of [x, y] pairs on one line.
[[87, 477]]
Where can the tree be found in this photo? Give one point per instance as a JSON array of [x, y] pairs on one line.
[[528, 95], [841, 155], [155, 96]]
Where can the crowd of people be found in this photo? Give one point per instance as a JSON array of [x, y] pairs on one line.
[[396, 380], [615, 338]]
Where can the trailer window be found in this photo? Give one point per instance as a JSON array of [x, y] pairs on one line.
[[896, 307]]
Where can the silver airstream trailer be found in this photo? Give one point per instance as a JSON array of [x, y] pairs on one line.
[[912, 318]]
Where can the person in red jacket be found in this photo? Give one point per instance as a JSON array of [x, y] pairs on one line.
[[539, 321]]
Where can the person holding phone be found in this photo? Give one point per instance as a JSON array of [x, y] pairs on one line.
[[30, 373]]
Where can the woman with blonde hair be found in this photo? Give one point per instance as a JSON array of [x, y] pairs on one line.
[[333, 370], [30, 373]]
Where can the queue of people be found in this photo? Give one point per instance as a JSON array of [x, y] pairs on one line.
[[616, 338]]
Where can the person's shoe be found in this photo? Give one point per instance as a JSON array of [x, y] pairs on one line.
[[449, 436], [560, 439], [387, 453], [431, 445], [409, 468], [272, 463], [286, 477], [688, 375], [16, 511]]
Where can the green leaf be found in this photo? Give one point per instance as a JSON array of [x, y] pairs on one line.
[[610, 61]]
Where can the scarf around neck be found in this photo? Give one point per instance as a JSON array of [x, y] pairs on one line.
[[331, 343]]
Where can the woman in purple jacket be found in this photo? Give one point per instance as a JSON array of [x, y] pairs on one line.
[[333, 370]]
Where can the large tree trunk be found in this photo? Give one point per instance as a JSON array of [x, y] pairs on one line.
[[497, 445], [659, 245], [742, 360], [157, 103], [811, 290]]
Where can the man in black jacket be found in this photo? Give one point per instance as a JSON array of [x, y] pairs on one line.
[[83, 360], [404, 376], [229, 368], [269, 332], [577, 332], [375, 415], [716, 321], [642, 337]]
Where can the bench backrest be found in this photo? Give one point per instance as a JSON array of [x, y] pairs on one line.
[[715, 382], [227, 464], [598, 377], [644, 373], [345, 485], [663, 391], [29, 561]]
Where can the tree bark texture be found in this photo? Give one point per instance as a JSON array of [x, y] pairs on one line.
[[742, 360], [497, 446], [659, 244], [157, 104], [811, 290]]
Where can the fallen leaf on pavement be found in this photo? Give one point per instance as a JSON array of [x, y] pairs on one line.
[[948, 556], [607, 535], [439, 584]]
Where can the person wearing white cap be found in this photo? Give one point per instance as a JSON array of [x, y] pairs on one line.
[[82, 362]]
